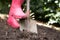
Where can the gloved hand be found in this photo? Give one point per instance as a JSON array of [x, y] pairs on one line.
[[16, 12]]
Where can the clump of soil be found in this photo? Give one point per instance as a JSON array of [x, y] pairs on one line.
[[8, 33]]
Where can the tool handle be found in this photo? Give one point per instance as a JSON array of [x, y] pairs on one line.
[[27, 21], [28, 5]]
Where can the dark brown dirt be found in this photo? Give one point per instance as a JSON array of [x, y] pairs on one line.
[[8, 33]]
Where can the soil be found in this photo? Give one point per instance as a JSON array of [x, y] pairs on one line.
[[8, 33]]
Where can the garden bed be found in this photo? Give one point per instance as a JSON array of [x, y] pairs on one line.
[[44, 33]]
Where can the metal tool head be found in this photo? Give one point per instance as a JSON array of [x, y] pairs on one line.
[[30, 27]]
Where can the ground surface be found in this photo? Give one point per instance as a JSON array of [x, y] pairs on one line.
[[8, 33]]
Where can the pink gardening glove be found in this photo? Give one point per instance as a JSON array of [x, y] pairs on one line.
[[16, 10], [17, 13], [13, 22]]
